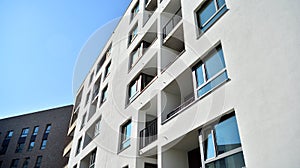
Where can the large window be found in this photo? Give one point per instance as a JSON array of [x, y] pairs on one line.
[[209, 13], [221, 145], [125, 135], [211, 72]]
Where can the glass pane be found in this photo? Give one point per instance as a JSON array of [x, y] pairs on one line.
[[227, 135], [233, 161], [199, 75], [128, 131], [209, 146], [220, 3], [206, 12], [134, 57], [133, 90], [215, 63], [212, 84]]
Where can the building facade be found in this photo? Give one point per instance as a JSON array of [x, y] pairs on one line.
[[189, 84], [35, 140]]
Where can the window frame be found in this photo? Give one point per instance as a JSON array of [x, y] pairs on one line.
[[133, 33], [123, 135], [211, 128], [220, 11], [201, 63]]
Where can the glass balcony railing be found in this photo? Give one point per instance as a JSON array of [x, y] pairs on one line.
[[176, 18]]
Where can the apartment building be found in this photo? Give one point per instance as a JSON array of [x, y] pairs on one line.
[[189, 84], [35, 140]]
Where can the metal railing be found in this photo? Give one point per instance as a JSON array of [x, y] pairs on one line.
[[176, 18], [180, 107], [148, 134]]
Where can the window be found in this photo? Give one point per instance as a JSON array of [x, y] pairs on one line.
[[97, 127], [209, 13], [104, 95], [221, 144], [75, 166], [211, 72], [83, 121], [138, 52], [26, 163], [25, 132], [107, 69], [132, 34], [135, 10], [5, 142], [38, 162], [91, 78], [78, 145], [20, 147], [35, 130], [125, 135], [100, 63], [138, 84], [31, 145], [14, 163], [92, 159], [9, 134], [87, 98], [48, 128], [44, 143]]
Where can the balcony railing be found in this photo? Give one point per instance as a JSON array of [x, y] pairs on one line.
[[176, 18], [180, 107], [148, 134]]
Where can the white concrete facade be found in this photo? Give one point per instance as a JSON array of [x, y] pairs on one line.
[[259, 42]]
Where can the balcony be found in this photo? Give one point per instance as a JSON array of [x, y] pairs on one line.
[[148, 134], [171, 24], [66, 152]]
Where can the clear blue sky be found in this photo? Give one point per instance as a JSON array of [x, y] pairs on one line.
[[39, 45]]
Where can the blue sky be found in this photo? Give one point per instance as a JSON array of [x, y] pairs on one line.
[[39, 45]]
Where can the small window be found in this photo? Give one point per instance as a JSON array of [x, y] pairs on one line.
[[125, 135], [48, 128], [26, 163], [135, 10], [25, 132], [35, 130], [132, 34], [104, 95], [87, 98], [14, 163], [44, 143], [222, 141], [83, 121], [38, 162], [78, 145], [138, 85], [107, 69], [92, 159], [20, 147], [31, 145], [209, 13], [211, 72], [9, 135]]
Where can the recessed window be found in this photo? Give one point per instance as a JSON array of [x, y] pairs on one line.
[[14, 163], [125, 135], [87, 98], [26, 162], [211, 72], [83, 121], [25, 132], [138, 52], [104, 95], [91, 78], [48, 128], [138, 84], [92, 159], [35, 130], [132, 34], [38, 162], [222, 145], [44, 143], [4, 146], [20, 147], [107, 69], [78, 145], [135, 10], [31, 145], [209, 13]]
